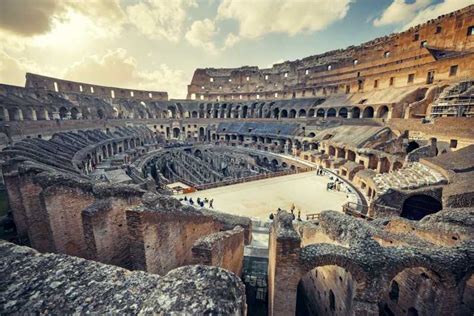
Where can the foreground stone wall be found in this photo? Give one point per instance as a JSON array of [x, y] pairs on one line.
[[34, 283]]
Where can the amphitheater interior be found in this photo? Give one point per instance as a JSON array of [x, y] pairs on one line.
[[97, 181]]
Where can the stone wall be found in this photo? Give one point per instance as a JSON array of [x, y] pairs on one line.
[[426, 270], [223, 249], [34, 283]]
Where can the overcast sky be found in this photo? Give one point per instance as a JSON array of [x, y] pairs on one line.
[[157, 44]]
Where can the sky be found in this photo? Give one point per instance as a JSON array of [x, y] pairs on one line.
[[157, 44]]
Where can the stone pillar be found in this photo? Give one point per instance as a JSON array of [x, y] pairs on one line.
[[6, 115], [284, 272]]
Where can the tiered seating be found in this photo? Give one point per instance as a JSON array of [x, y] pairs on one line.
[[412, 176]]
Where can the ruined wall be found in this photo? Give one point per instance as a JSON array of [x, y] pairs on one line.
[[162, 241], [416, 291], [58, 85], [328, 290], [106, 231], [223, 249], [382, 63], [64, 206]]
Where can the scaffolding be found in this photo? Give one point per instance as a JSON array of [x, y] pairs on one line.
[[456, 101]]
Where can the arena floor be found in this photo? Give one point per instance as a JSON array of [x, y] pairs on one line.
[[260, 198]]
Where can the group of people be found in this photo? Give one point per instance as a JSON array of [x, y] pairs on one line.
[[320, 171], [200, 202], [334, 185]]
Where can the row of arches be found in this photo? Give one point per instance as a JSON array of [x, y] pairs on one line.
[[222, 111]]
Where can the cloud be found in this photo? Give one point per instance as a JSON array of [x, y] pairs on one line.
[[231, 40], [118, 68], [418, 12], [160, 18], [12, 71], [436, 10], [257, 18], [28, 18], [201, 34]]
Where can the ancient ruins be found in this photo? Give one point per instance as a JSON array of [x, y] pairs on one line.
[[97, 178]]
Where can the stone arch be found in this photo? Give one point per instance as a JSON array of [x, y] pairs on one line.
[[176, 132], [329, 269], [15, 114], [292, 113], [284, 113], [194, 114], [302, 113], [343, 112], [382, 111], [356, 112], [74, 113], [412, 146], [368, 112], [63, 113], [320, 113], [276, 113], [311, 112], [100, 114], [418, 206], [244, 111], [331, 112], [416, 284]]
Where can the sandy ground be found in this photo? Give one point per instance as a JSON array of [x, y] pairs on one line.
[[260, 198]]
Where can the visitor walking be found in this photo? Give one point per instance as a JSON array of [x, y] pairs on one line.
[[211, 203]]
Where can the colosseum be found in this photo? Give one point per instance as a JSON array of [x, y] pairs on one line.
[[337, 184]]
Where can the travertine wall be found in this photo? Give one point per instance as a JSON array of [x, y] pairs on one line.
[[58, 85], [382, 63]]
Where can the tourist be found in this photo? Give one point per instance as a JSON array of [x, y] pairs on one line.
[[211, 203], [185, 198], [191, 201], [299, 215], [198, 200]]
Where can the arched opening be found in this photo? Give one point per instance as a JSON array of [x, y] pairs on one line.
[[418, 206], [284, 114], [343, 112], [100, 114], [292, 113], [326, 290], [331, 112], [194, 114], [276, 112], [63, 113], [74, 113], [412, 146], [368, 112], [15, 114], [332, 151], [311, 134], [311, 113], [414, 291], [244, 111], [201, 133], [302, 113], [355, 112], [320, 113], [176, 132], [397, 165], [382, 112]]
